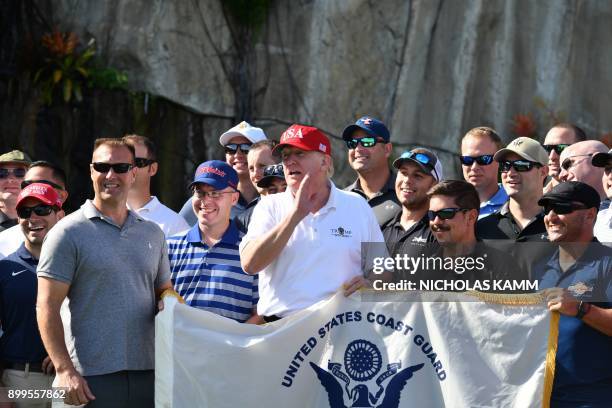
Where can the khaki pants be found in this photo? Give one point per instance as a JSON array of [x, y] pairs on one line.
[[20, 380]]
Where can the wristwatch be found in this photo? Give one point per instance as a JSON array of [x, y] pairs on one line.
[[583, 309]]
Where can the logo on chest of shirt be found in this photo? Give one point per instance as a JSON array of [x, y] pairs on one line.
[[419, 240], [579, 288], [341, 232]]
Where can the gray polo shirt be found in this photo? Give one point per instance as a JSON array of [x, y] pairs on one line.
[[112, 272]]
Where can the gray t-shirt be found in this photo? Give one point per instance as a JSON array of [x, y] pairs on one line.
[[113, 273]]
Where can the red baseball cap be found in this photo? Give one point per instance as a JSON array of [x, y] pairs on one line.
[[43, 192], [305, 138]]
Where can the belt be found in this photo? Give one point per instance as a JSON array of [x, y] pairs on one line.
[[31, 367], [271, 318]]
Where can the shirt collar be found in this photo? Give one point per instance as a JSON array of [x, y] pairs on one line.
[[499, 198], [24, 254], [332, 200], [90, 211], [389, 185], [151, 206], [230, 236], [604, 205]]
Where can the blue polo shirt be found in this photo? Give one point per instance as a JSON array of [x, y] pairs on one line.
[[494, 203], [583, 373], [21, 341], [211, 278]]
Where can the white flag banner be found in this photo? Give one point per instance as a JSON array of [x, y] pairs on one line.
[[353, 352]]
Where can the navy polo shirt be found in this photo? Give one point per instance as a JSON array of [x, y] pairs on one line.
[[583, 373], [21, 341]]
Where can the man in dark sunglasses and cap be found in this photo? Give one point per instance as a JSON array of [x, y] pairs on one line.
[[112, 266], [577, 279], [24, 359], [369, 148], [13, 166]]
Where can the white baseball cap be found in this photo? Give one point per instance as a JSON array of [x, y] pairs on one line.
[[254, 134]]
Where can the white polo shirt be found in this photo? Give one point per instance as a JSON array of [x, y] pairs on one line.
[[323, 252], [10, 240], [169, 221]]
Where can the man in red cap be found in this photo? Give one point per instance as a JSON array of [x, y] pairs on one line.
[[306, 242], [25, 361]]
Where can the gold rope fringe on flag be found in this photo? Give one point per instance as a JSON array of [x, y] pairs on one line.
[[551, 352], [173, 293], [519, 299]]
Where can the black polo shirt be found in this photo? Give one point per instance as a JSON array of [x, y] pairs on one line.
[[502, 225], [384, 203]]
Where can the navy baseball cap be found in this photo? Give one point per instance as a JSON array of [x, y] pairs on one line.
[[270, 173], [216, 173], [371, 126]]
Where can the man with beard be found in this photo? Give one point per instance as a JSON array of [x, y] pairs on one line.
[[578, 283], [480, 170], [558, 138], [13, 166], [408, 232], [24, 359], [603, 225]]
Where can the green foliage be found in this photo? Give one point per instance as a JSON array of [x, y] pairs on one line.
[[66, 70]]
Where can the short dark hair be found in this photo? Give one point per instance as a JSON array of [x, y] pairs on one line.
[[484, 131], [148, 143], [58, 173], [464, 193], [115, 142], [262, 143], [579, 134]]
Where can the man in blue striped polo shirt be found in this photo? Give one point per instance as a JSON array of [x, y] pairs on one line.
[[204, 262]]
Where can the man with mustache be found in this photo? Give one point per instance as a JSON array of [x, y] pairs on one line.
[[558, 138], [578, 283], [305, 243]]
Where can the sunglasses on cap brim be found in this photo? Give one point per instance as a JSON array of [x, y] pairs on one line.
[[26, 183]]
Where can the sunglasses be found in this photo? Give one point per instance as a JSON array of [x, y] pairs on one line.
[[141, 162], [17, 172], [556, 147], [210, 194], [118, 168], [569, 162], [445, 213], [518, 165], [364, 141], [562, 208], [41, 210], [232, 148], [483, 160], [26, 183]]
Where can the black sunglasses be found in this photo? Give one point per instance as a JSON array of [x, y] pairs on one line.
[[569, 162], [118, 168], [26, 183], [41, 210], [518, 165], [232, 148], [364, 141], [445, 213], [556, 147], [141, 162], [562, 208], [483, 160], [17, 172]]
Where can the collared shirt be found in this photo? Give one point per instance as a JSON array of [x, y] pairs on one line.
[[170, 222], [583, 374], [113, 272], [211, 278], [21, 341], [384, 203], [10, 240], [494, 203], [6, 222], [603, 226], [502, 225], [323, 252]]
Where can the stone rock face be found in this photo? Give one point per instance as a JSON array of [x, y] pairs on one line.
[[430, 69]]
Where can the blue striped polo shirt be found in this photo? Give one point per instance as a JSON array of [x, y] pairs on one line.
[[211, 278]]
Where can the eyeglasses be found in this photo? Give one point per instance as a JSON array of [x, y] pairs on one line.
[[445, 213], [118, 168], [562, 208], [556, 147], [483, 160], [41, 210], [232, 148], [518, 165], [569, 163], [141, 162], [26, 183], [364, 141], [210, 194], [18, 172]]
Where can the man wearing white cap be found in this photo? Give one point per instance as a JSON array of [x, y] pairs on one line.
[[237, 142], [603, 225]]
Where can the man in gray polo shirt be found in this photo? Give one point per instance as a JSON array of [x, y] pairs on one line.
[[112, 266]]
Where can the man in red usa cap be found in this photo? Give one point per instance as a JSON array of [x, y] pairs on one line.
[[305, 243]]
